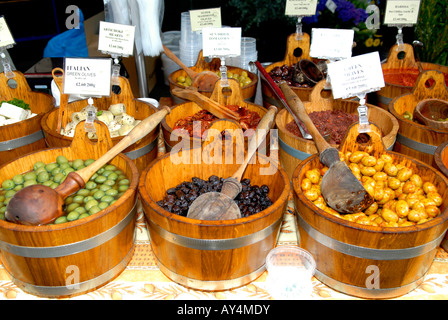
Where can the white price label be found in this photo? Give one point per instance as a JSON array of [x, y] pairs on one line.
[[300, 8], [221, 42], [205, 18], [87, 77], [331, 43], [401, 12], [356, 75], [116, 38], [6, 38]]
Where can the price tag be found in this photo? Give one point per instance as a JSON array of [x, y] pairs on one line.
[[300, 7], [356, 75], [401, 12], [116, 38], [205, 18], [333, 44], [221, 42], [6, 38], [87, 77]]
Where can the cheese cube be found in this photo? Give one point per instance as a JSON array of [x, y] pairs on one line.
[[11, 111]]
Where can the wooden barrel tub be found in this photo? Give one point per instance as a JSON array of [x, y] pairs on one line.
[[400, 64], [142, 152], [414, 139], [296, 50], [350, 256], [183, 110], [247, 92], [294, 149], [211, 255], [76, 257], [441, 159], [25, 136]]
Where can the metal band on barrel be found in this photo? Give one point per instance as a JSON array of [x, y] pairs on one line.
[[211, 284], [135, 154], [369, 253], [419, 146], [22, 141], [72, 248], [214, 244], [72, 289]]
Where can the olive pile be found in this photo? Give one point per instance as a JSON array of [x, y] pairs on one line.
[[286, 73], [402, 198], [251, 200], [104, 187], [242, 78]]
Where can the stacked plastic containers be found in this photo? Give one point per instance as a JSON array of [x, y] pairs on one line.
[[248, 53], [171, 40], [190, 41]]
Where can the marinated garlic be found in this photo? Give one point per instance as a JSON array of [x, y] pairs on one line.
[[117, 120], [402, 198]]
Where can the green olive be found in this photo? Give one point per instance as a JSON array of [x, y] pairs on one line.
[[18, 179], [8, 184], [61, 159], [61, 219], [30, 176]]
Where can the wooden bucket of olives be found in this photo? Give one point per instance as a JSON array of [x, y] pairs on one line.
[[93, 242], [441, 159], [219, 254], [416, 139], [24, 136], [128, 110], [296, 50], [183, 115], [400, 75], [339, 114], [248, 80], [385, 251]]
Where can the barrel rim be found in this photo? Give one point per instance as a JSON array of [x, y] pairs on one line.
[[394, 131], [414, 124], [133, 189], [415, 228], [438, 158], [48, 131], [251, 75], [145, 197], [426, 66]]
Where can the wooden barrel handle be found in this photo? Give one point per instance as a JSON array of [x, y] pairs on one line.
[[141, 130]]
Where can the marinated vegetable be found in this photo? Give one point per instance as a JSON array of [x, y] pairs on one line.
[[402, 198], [104, 187]]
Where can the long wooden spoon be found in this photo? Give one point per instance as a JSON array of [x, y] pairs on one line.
[[39, 204], [206, 103], [340, 189], [204, 80], [220, 205]]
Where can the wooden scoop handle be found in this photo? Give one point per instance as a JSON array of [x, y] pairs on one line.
[[206, 103], [173, 57], [260, 134], [137, 133], [298, 109]]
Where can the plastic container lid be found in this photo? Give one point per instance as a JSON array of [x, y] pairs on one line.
[[290, 270]]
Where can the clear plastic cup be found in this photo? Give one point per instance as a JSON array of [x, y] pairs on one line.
[[290, 270]]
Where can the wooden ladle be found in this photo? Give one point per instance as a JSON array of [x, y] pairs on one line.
[[215, 108], [340, 189], [220, 205], [204, 80], [39, 204]]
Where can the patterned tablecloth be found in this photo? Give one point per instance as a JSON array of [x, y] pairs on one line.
[[142, 279]]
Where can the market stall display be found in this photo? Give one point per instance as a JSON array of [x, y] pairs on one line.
[[179, 79], [401, 71], [37, 258], [389, 249], [26, 134], [415, 139], [142, 152], [294, 149]]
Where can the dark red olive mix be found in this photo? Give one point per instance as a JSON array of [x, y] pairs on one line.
[[251, 200]]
